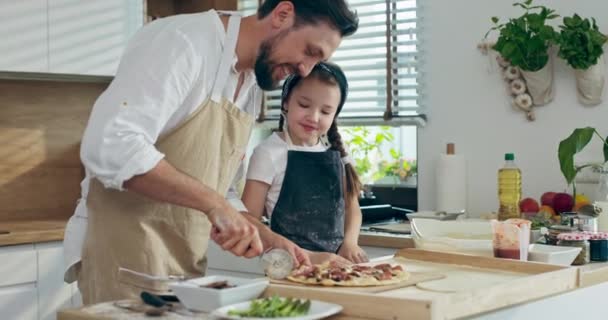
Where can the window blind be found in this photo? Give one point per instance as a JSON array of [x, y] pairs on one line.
[[381, 62]]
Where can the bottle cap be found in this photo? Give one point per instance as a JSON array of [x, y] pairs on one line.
[[450, 148], [509, 156]]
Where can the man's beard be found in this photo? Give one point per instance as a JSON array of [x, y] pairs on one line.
[[263, 67]]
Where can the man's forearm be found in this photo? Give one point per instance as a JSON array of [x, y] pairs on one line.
[[266, 235], [167, 184]]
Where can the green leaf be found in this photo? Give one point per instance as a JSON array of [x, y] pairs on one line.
[[394, 153], [495, 20], [605, 150], [568, 147]]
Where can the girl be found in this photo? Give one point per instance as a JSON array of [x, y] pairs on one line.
[[301, 177]]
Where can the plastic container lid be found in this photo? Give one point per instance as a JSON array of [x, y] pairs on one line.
[[509, 156], [573, 236]]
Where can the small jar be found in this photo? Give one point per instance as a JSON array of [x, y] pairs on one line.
[[576, 239], [598, 243], [555, 230]]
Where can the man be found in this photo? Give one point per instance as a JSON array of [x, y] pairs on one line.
[[165, 140]]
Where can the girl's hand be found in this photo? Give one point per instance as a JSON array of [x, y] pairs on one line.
[[353, 252]]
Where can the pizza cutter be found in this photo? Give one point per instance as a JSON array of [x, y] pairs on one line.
[[277, 263]]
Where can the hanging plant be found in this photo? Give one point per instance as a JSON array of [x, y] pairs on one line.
[[580, 42], [524, 42], [581, 46]]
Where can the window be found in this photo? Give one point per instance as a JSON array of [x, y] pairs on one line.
[[381, 64]]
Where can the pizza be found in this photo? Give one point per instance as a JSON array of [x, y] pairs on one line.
[[331, 274]]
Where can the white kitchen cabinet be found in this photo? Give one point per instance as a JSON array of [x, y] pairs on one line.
[[53, 293], [31, 282], [23, 34], [19, 302], [18, 276], [224, 263], [66, 36], [88, 37]]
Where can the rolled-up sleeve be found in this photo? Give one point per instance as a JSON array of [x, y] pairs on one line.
[[156, 74]]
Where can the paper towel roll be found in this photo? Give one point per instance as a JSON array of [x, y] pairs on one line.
[[451, 183]]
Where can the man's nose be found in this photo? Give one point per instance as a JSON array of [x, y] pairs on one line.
[[304, 68]]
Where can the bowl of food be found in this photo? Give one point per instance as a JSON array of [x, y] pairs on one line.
[[209, 293]]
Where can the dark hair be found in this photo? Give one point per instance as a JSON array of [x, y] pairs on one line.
[[335, 12], [331, 74]]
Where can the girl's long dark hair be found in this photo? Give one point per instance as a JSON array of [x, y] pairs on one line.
[[331, 74]]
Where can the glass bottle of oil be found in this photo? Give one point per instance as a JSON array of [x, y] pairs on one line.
[[509, 189]]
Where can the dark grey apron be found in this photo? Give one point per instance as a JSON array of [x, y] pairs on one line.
[[310, 208]]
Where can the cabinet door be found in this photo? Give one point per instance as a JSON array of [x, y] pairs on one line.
[[18, 302], [53, 293], [17, 265], [23, 34], [88, 37], [223, 261]]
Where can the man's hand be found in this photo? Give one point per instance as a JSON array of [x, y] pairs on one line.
[[353, 252], [234, 233], [299, 255]]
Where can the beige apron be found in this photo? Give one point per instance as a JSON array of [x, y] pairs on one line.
[[131, 231]]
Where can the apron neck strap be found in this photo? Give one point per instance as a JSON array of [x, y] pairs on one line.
[[232, 35]]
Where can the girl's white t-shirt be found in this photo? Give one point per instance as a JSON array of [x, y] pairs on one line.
[[269, 162]]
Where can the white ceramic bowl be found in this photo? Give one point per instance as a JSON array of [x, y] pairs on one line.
[[552, 254], [460, 236], [197, 298]]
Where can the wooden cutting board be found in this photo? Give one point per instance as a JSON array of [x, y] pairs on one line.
[[415, 277]]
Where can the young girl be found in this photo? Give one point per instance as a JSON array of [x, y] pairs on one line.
[[301, 177]]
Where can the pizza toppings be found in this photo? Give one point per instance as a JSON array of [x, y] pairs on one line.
[[352, 275]]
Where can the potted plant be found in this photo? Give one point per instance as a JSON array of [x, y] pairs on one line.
[[364, 146], [524, 42], [397, 170], [570, 146], [580, 44]]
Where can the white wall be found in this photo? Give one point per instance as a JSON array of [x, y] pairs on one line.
[[469, 106]]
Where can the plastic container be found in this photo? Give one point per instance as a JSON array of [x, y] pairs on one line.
[[511, 238], [454, 236], [576, 239], [509, 189], [557, 255]]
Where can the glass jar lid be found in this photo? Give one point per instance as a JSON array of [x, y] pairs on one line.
[[596, 235], [573, 236]]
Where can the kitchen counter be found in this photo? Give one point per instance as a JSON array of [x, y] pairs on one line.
[[385, 240], [31, 231], [593, 273], [554, 302], [43, 230]]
